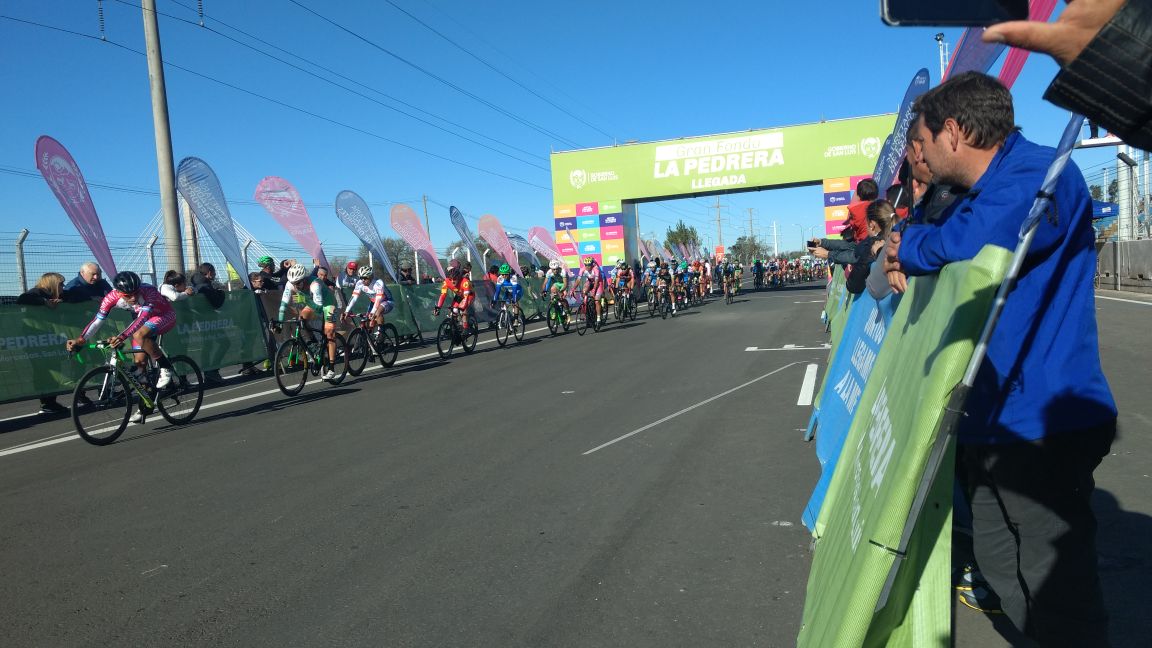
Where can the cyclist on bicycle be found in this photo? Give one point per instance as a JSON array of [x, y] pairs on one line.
[[737, 274], [154, 317], [382, 303], [593, 279], [461, 286], [507, 288], [622, 279], [315, 299], [555, 282]]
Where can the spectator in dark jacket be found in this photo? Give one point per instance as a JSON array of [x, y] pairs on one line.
[[273, 277], [203, 282], [49, 291], [88, 284]]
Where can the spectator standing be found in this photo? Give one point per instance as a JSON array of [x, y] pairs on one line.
[[175, 286], [1040, 416], [866, 191], [203, 282], [273, 278], [348, 277], [48, 291], [406, 277], [88, 284]]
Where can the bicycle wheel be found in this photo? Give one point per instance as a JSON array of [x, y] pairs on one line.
[[445, 339], [618, 308], [181, 399], [653, 303], [598, 317], [581, 316], [387, 345], [554, 318], [663, 306], [358, 351], [317, 356], [503, 328], [566, 315], [518, 326], [101, 405], [290, 366], [469, 335], [340, 366]]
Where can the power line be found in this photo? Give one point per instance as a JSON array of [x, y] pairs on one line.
[[350, 80], [283, 104], [498, 71], [432, 75]]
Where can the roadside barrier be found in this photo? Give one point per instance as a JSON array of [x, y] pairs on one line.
[[860, 592]]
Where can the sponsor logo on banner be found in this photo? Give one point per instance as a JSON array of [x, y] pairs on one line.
[[611, 233], [612, 248], [838, 198], [63, 176], [587, 209], [590, 247], [609, 207], [563, 211], [588, 234], [837, 214], [578, 178], [833, 185], [588, 222], [870, 146], [607, 220], [562, 224], [719, 162], [566, 249]]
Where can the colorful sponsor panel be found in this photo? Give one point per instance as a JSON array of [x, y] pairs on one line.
[[837, 214], [608, 233], [585, 235], [566, 249], [562, 224], [588, 222], [610, 249], [564, 211], [838, 198], [855, 180], [608, 220], [587, 209], [610, 206], [833, 185]]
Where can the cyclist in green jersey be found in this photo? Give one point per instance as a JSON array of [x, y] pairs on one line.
[[317, 300]]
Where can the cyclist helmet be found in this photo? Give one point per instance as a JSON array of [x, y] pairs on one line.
[[589, 261], [454, 264], [651, 265], [365, 272], [352, 265], [504, 269], [553, 265], [264, 260], [619, 262], [126, 282], [296, 273], [683, 265]]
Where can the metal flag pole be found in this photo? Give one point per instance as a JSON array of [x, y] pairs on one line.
[[954, 410]]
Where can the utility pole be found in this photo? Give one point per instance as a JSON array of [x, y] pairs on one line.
[[775, 240], [719, 227], [427, 229], [164, 165]]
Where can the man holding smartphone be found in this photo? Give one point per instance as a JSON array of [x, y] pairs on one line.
[[1040, 416]]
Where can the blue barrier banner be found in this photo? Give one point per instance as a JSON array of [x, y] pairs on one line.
[[865, 326]]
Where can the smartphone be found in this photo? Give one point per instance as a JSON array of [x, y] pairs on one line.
[[959, 13]]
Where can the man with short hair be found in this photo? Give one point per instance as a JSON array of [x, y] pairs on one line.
[[1040, 416], [87, 285]]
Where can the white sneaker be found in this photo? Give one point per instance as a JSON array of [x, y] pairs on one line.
[[330, 375], [164, 379], [138, 418]]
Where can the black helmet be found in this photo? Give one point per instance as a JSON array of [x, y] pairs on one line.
[[126, 282]]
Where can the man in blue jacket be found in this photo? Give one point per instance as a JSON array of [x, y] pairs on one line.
[[1041, 415]]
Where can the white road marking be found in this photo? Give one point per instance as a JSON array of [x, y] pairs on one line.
[[688, 409], [1126, 301], [792, 347], [69, 436], [814, 301], [808, 387]]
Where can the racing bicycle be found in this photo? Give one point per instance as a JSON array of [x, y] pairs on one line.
[[366, 343], [296, 357], [452, 333]]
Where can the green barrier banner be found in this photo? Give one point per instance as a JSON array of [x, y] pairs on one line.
[[929, 343], [33, 361]]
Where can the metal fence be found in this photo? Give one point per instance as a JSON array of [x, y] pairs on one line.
[[27, 254]]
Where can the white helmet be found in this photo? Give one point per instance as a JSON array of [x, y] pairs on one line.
[[364, 272], [553, 265], [296, 273], [651, 264], [619, 262]]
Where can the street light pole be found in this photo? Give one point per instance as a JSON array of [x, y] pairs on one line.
[[165, 166]]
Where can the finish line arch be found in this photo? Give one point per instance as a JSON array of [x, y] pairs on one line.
[[595, 191]]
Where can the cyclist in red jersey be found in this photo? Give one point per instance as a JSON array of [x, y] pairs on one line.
[[461, 287]]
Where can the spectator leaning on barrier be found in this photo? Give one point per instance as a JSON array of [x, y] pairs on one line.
[[87, 285], [406, 277], [175, 286], [348, 278], [880, 217], [866, 191], [48, 291], [1040, 416], [203, 282], [1104, 48], [273, 278]]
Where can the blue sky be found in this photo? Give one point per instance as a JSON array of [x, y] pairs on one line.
[[609, 71]]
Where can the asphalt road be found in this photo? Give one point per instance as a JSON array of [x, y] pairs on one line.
[[641, 486]]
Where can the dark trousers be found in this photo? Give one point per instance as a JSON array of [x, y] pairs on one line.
[[1034, 533]]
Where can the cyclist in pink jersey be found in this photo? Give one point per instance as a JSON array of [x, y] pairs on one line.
[[592, 278], [154, 316]]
